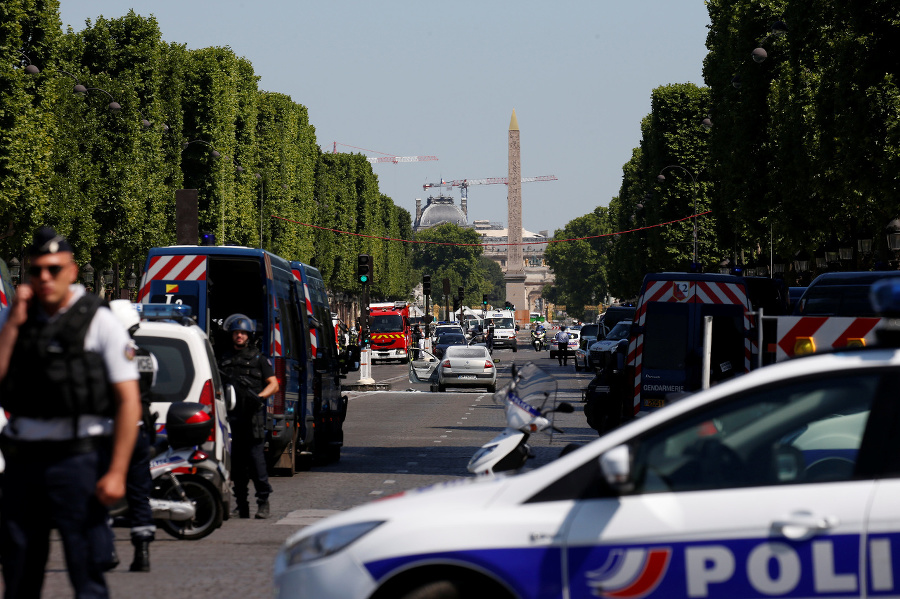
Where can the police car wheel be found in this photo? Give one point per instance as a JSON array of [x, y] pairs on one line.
[[515, 349]]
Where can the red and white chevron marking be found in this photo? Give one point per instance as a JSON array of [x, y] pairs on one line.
[[172, 268], [828, 332]]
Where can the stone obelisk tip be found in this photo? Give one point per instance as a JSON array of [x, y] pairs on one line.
[[514, 122]]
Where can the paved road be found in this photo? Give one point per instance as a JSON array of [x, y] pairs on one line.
[[395, 440]]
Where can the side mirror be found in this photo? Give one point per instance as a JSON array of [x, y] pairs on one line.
[[320, 365], [615, 465], [230, 398]]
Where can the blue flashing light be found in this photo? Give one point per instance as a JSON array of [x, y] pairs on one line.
[[163, 311], [885, 297]]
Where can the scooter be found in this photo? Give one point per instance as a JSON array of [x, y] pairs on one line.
[[538, 339], [527, 401], [186, 500]]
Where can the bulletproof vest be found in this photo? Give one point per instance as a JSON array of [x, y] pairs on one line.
[[242, 369], [50, 373]]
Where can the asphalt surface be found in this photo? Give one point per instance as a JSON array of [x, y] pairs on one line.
[[394, 440]]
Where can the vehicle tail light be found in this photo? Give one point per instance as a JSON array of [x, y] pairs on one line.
[[198, 456], [488, 364], [278, 397], [207, 398], [446, 364]]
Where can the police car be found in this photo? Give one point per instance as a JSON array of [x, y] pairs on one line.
[[779, 483]]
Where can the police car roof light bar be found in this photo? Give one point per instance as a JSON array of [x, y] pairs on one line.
[[176, 312]]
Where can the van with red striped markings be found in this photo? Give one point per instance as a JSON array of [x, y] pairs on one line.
[[218, 281], [326, 408], [835, 312], [665, 351]]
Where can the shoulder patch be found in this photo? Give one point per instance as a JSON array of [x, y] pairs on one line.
[[130, 351]]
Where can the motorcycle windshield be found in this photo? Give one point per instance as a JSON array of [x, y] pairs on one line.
[[534, 391]]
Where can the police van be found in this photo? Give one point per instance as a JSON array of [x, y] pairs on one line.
[[218, 281], [665, 351], [779, 483], [322, 431]]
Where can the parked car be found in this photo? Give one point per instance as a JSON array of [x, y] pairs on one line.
[[589, 333], [188, 372], [613, 315], [470, 366], [445, 340], [599, 352]]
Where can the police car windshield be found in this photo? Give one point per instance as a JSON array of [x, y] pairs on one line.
[[502, 323], [387, 323]]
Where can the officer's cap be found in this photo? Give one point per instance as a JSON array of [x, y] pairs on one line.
[[47, 241]]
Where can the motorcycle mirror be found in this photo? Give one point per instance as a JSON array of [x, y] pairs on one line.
[[564, 407]]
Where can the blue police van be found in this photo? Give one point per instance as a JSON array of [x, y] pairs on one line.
[[326, 408], [218, 281]]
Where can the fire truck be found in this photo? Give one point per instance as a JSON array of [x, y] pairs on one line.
[[390, 332]]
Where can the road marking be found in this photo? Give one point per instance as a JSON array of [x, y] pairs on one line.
[[306, 517], [376, 492], [412, 463], [402, 471], [389, 482]]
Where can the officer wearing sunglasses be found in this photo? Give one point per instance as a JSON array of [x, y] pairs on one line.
[[70, 384]]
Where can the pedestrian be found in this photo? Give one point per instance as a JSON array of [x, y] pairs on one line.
[[490, 337], [562, 345], [253, 378], [68, 380], [139, 483]]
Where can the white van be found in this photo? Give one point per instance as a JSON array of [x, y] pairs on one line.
[[504, 322]]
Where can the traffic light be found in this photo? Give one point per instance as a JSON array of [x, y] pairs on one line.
[[364, 269], [484, 300], [460, 292], [426, 284]]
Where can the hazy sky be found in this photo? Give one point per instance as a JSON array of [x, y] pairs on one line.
[[415, 78]]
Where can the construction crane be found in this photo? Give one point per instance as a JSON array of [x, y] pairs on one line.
[[463, 184], [386, 157]]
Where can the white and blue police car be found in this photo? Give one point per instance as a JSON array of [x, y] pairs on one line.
[[779, 483]]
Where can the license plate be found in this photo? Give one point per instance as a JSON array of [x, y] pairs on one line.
[[383, 354], [655, 403], [465, 376]]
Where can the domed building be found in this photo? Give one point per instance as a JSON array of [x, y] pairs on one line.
[[438, 211]]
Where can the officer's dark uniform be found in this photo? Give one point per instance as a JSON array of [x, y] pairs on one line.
[[51, 483], [139, 483], [248, 371]]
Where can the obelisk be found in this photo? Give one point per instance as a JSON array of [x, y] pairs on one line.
[[515, 263]]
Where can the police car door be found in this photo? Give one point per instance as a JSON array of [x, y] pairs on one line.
[[761, 494]]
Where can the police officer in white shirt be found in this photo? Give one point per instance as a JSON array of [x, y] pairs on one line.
[[70, 384]]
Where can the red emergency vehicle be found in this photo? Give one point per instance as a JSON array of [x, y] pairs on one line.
[[390, 332]]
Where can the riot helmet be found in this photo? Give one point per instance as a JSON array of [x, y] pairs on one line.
[[239, 322], [127, 314]]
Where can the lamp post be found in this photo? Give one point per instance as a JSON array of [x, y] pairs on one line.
[[237, 168], [892, 230], [662, 179], [15, 269]]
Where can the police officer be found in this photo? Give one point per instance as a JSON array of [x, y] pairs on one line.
[[139, 483], [69, 382], [254, 381], [562, 345]]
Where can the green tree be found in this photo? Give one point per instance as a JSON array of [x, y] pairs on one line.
[[451, 252], [27, 123], [579, 264]]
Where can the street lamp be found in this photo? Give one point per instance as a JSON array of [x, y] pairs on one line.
[[662, 179], [87, 274], [15, 269]]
